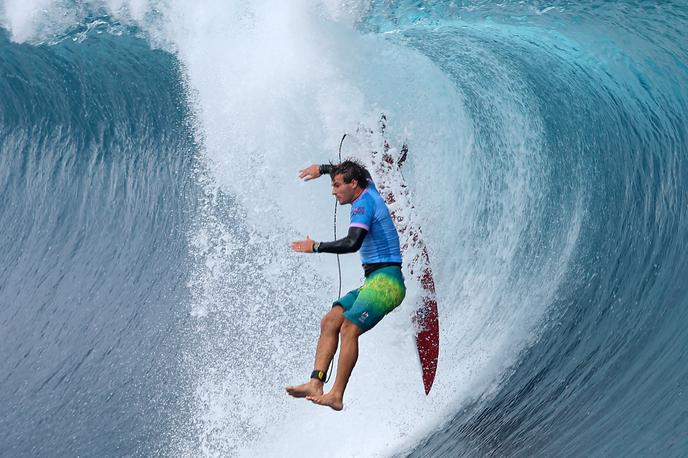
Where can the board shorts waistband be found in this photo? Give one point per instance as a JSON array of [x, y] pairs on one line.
[[370, 268]]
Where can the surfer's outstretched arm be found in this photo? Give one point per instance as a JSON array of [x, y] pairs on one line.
[[314, 171], [317, 170], [349, 244]]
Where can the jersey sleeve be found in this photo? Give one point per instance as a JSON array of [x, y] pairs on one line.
[[362, 212]]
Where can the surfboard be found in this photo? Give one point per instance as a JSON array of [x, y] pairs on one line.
[[389, 180]]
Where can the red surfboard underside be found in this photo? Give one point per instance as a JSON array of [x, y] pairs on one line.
[[428, 334], [416, 260]]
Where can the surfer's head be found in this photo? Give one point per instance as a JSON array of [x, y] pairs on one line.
[[349, 179]]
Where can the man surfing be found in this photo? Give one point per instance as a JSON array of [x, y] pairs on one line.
[[373, 232]]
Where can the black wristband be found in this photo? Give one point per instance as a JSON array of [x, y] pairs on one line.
[[325, 169]]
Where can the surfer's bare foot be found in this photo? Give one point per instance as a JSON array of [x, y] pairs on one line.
[[332, 400], [314, 387]]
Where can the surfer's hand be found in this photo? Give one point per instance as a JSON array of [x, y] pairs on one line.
[[303, 246], [310, 172]]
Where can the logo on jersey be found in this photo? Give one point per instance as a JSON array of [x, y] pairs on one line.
[[358, 210], [363, 317]]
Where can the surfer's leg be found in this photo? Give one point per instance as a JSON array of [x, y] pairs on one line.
[[327, 346], [329, 338], [348, 356]]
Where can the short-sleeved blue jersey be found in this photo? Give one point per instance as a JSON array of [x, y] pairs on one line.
[[369, 212]]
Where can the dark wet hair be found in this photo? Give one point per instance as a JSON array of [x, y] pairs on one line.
[[350, 170]]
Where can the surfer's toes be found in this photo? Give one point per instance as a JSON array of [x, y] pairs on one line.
[[330, 400], [302, 391]]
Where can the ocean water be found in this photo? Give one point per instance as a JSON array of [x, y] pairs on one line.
[[149, 302]]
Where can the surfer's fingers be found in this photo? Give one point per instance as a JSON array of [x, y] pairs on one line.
[[309, 173], [302, 246]]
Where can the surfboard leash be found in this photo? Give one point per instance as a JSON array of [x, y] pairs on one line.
[[339, 265]]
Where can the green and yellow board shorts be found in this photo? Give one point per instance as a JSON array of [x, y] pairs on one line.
[[382, 292]]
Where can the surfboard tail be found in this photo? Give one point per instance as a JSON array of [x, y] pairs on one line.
[[427, 340]]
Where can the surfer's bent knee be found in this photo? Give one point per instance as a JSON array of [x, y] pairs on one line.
[[351, 329], [331, 321]]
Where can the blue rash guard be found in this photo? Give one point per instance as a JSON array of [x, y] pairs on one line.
[[370, 212]]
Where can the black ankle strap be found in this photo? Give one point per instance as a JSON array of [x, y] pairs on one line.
[[320, 375]]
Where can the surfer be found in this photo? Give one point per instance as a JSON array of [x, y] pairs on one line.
[[373, 232]]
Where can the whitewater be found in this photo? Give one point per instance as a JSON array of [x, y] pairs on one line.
[[149, 157]]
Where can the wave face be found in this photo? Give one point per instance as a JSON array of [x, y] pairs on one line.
[[149, 151], [96, 175]]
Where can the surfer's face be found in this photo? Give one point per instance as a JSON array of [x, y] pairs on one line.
[[343, 192]]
